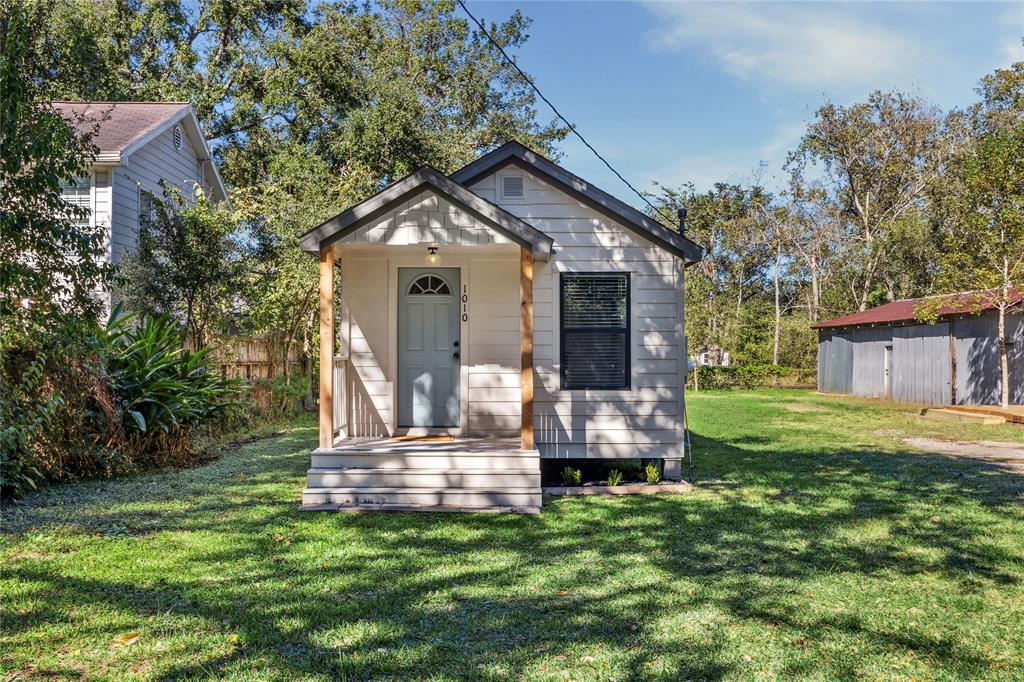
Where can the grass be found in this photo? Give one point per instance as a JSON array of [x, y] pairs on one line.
[[814, 547]]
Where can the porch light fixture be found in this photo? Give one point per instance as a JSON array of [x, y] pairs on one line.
[[433, 257]]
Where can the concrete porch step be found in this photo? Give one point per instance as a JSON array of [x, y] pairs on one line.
[[963, 417], [427, 459], [443, 508], [388, 477], [423, 497]]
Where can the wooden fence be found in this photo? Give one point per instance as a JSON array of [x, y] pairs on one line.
[[253, 360]]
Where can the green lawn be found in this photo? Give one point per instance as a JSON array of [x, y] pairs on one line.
[[814, 547]]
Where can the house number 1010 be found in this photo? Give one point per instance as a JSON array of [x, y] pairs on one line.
[[465, 304]]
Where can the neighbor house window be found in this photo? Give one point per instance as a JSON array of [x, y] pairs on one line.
[[595, 331], [78, 193], [147, 207]]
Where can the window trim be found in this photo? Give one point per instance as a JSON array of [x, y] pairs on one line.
[[627, 332]]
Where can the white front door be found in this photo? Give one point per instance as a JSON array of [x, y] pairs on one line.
[[428, 347]]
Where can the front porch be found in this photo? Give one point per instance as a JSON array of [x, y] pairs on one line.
[[426, 328]]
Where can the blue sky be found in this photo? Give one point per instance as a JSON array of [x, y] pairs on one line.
[[704, 91]]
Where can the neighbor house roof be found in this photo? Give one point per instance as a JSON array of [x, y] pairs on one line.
[[903, 310], [121, 128], [422, 178], [514, 153]]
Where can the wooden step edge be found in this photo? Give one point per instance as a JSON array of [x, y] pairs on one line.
[[385, 470], [406, 507], [402, 490], [988, 411]]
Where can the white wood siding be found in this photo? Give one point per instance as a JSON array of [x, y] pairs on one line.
[[427, 218], [490, 395], [157, 160], [646, 420], [495, 399]]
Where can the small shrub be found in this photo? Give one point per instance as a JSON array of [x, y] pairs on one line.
[[652, 474], [752, 377], [572, 477], [614, 477]]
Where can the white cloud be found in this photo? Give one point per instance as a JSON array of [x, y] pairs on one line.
[[802, 44]]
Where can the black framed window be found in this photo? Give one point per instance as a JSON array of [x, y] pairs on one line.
[[595, 330]]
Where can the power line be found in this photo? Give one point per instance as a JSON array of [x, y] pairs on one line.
[[564, 120]]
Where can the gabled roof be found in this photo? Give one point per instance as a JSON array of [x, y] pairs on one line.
[[619, 211], [425, 177], [125, 127], [964, 303]]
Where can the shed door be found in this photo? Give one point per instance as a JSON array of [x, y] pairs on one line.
[[428, 347]]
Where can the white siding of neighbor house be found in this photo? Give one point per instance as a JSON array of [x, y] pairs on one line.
[[646, 419], [145, 168]]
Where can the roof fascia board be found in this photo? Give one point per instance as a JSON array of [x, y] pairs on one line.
[[388, 199], [515, 154]]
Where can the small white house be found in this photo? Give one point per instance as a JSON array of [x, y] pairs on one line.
[[140, 144], [509, 312]]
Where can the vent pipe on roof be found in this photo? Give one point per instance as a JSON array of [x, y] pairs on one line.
[[682, 220]]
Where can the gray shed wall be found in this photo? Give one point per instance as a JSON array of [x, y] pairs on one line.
[[978, 377], [852, 361]]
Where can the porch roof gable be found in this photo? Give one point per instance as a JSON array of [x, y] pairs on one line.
[[515, 153], [425, 177]]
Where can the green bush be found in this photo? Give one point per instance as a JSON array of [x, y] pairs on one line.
[[652, 474], [163, 390], [751, 376], [99, 402], [282, 395], [614, 477], [572, 477]]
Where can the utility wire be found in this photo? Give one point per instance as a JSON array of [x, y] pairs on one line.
[[564, 120]]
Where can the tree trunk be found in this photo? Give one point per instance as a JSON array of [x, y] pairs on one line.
[[1004, 362], [778, 307], [815, 291]]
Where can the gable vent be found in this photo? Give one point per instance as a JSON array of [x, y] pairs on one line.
[[512, 187], [177, 138]]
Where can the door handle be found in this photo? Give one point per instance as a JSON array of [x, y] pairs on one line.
[[455, 355]]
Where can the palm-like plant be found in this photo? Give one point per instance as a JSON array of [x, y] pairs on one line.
[[162, 388]]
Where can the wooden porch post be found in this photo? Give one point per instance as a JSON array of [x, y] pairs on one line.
[[526, 345], [327, 347]]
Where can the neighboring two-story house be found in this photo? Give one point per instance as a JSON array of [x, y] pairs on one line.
[[140, 144]]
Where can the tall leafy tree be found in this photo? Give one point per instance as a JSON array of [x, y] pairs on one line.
[[50, 256], [192, 263], [311, 106], [876, 157], [980, 202]]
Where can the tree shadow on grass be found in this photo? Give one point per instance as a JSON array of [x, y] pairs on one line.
[[649, 582]]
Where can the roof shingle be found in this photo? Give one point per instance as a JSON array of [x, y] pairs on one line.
[[120, 123]]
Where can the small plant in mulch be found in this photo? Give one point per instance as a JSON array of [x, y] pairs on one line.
[[652, 474], [614, 477], [572, 477]]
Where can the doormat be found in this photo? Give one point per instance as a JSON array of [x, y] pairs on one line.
[[425, 439]]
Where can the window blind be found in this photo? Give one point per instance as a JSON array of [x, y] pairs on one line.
[[595, 331], [78, 194]]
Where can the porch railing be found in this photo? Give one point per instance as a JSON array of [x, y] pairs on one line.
[[340, 375]]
